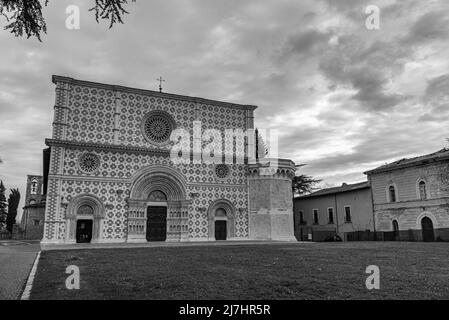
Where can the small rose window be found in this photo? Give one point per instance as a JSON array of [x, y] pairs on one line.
[[89, 162], [222, 171]]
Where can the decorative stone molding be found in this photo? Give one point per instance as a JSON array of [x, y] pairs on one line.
[[162, 178], [106, 147], [71, 216], [275, 168], [154, 180]]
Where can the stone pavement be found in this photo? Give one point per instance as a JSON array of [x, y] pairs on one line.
[[16, 260]]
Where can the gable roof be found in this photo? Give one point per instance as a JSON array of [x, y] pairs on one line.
[[440, 155], [329, 191]]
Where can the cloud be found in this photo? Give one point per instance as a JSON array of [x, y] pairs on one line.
[[368, 69], [304, 43], [436, 100], [344, 99], [430, 26]]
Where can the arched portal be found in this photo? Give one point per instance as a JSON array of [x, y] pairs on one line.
[[158, 206], [428, 234], [84, 217], [221, 216]]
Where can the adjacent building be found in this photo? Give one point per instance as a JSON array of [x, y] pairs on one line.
[[334, 211], [33, 216], [411, 197]]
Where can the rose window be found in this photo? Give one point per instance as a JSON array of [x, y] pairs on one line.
[[89, 162], [157, 127], [221, 170]]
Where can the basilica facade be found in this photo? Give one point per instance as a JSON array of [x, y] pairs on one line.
[[113, 176]]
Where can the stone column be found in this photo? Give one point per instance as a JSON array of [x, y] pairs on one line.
[[178, 221], [70, 228], [137, 221]]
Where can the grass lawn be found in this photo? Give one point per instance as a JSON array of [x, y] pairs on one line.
[[274, 271]]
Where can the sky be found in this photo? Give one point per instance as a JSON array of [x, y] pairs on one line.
[[344, 98]]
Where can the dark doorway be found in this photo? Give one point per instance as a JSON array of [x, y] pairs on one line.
[[395, 230], [220, 230], [427, 230], [157, 224], [84, 231]]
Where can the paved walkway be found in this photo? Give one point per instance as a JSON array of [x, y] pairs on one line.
[[16, 260], [91, 246]]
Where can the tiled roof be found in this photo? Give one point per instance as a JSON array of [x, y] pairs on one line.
[[343, 188], [407, 162]]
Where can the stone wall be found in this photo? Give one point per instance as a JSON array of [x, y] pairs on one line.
[[271, 202]]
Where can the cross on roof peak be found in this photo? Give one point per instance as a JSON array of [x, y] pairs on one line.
[[160, 79]]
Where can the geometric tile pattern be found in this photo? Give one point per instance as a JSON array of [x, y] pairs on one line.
[[93, 115]]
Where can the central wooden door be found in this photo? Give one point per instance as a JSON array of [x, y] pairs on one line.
[[157, 223], [220, 230]]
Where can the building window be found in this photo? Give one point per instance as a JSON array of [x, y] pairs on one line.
[[36, 222], [347, 214], [222, 170], [422, 190], [330, 213], [34, 184], [301, 217], [392, 193], [157, 127], [315, 216], [89, 162]]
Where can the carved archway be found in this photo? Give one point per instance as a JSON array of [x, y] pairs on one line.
[[146, 183], [213, 214], [74, 213]]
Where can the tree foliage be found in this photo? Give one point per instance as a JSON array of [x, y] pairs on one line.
[[112, 10], [13, 204], [261, 147], [3, 206], [25, 17], [304, 184]]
